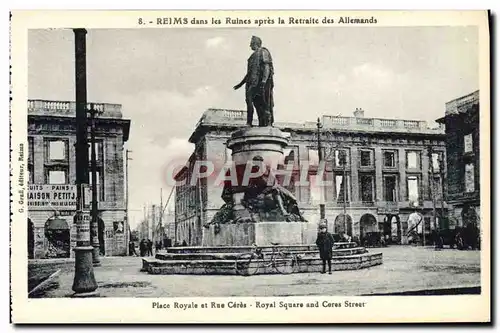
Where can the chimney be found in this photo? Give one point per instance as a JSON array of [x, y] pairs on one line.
[[359, 113]]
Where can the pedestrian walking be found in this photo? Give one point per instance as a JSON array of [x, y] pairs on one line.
[[150, 247], [325, 247], [131, 249]]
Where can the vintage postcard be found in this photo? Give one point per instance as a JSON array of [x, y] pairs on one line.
[[250, 167]]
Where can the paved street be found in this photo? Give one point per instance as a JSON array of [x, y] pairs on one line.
[[405, 268]]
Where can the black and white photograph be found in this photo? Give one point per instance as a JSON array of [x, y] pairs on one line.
[[337, 157]]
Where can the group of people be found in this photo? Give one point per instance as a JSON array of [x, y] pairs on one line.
[[145, 247]]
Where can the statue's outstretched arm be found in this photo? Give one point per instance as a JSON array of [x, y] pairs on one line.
[[238, 86]]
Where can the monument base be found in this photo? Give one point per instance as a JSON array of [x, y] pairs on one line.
[[260, 233]]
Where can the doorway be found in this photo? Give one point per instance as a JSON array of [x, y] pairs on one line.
[[57, 234], [368, 229], [31, 240], [343, 224], [395, 229]]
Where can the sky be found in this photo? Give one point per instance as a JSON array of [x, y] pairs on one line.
[[166, 78]]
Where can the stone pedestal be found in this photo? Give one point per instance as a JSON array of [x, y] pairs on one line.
[[264, 144], [261, 233], [248, 144]]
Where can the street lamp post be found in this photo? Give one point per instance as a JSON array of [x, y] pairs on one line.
[[320, 156], [431, 186], [94, 229], [344, 180], [441, 177], [84, 283]]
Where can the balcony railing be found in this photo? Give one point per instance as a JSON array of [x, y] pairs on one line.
[[68, 108], [238, 117]]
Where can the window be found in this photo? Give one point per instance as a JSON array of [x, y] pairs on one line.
[[57, 177], [31, 154], [287, 179], [413, 189], [413, 160], [366, 158], [342, 186], [100, 185], [437, 188], [469, 178], [340, 158], [435, 162], [313, 157], [390, 188], [468, 143], [57, 150], [390, 159], [56, 162], [366, 185], [98, 151], [315, 189], [31, 176], [289, 155]]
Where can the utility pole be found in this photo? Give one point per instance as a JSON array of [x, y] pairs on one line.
[[127, 158], [84, 283], [165, 207], [320, 155], [96, 262], [160, 222], [344, 180]]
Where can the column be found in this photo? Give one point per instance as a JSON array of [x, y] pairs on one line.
[[71, 160], [110, 169], [424, 185], [379, 180], [353, 153], [303, 189], [402, 174], [38, 159]]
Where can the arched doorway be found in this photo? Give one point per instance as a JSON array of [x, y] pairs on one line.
[[343, 224], [31, 240], [100, 234], [396, 230], [57, 234], [415, 226], [368, 227]]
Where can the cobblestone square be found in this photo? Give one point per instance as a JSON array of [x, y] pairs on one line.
[[405, 269]]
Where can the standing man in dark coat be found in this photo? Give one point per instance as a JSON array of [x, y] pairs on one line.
[[325, 247], [142, 247], [259, 84], [150, 247]]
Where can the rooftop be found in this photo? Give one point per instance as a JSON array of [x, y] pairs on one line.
[[358, 123], [40, 107], [462, 104]]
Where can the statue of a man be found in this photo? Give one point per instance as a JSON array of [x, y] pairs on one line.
[[259, 84]]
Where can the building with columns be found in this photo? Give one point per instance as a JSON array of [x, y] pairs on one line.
[[52, 175], [461, 121], [378, 172]]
